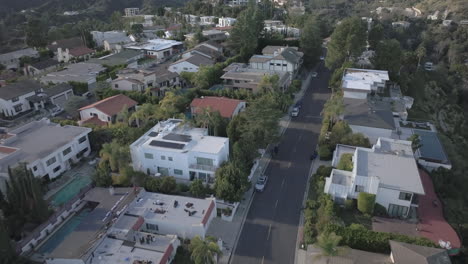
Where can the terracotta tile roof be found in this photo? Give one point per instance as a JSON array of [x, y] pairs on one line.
[[80, 51], [225, 106], [93, 121], [112, 105], [7, 150]]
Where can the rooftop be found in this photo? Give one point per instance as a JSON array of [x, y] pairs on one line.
[[112, 105], [156, 45], [368, 113], [44, 64], [225, 106], [431, 148], [80, 51], [181, 210], [37, 140], [100, 36], [77, 243], [79, 72], [19, 88], [395, 167], [197, 60], [173, 135], [66, 43], [58, 89], [122, 57], [363, 79], [240, 72], [414, 254], [18, 54]]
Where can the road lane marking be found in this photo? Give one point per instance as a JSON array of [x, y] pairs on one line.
[[269, 231], [282, 184], [263, 259], [276, 204]]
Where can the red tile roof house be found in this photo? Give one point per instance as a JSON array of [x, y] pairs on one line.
[[228, 108], [105, 111]]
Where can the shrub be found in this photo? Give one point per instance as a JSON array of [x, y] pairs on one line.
[[365, 203], [182, 187], [346, 162], [350, 204], [325, 152], [380, 210], [361, 238], [168, 185]]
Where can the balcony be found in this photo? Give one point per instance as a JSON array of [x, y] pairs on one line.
[[203, 167]]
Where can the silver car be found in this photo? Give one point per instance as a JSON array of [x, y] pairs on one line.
[[295, 112], [261, 182]]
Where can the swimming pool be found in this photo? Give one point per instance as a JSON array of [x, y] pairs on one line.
[[70, 190], [64, 231]]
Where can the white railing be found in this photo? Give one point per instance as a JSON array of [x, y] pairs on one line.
[[203, 167]]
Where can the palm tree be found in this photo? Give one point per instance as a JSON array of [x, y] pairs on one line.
[[203, 251], [328, 243], [420, 52], [143, 114], [117, 155]]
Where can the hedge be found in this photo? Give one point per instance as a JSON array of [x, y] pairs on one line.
[[358, 237], [365, 203]]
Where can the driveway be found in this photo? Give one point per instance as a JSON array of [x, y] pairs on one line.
[[270, 229]]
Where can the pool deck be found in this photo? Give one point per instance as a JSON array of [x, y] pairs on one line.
[[78, 242]]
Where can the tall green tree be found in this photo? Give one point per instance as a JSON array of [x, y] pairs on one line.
[[420, 52], [144, 114], [388, 56], [36, 29], [115, 154], [246, 31], [230, 182], [347, 41], [117, 21], [311, 42], [102, 175], [376, 34], [204, 251]]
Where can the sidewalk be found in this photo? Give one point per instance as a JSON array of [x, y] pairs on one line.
[[301, 254], [229, 232]]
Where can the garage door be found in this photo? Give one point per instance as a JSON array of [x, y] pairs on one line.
[[59, 100]]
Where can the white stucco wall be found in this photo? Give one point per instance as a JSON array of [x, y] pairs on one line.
[[8, 106], [354, 95], [387, 196], [183, 66], [87, 113]]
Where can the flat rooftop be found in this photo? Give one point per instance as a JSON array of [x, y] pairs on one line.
[[363, 79], [173, 135], [37, 140], [81, 72], [368, 113], [80, 241], [431, 148], [180, 210], [155, 44], [122, 57]]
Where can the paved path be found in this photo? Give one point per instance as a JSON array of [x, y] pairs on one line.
[[270, 230]]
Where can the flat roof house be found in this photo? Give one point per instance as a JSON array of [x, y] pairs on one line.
[[431, 154], [160, 49], [172, 148], [226, 22], [227, 107], [11, 60], [126, 57], [358, 83], [82, 72], [48, 148], [105, 111], [388, 170], [183, 216], [22, 96]]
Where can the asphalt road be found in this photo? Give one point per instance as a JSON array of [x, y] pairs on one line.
[[270, 230]]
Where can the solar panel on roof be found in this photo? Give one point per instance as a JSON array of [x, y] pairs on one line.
[[178, 137], [153, 134], [164, 144]]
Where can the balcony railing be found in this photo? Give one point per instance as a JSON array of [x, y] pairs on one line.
[[203, 167]]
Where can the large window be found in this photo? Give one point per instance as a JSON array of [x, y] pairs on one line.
[[149, 156], [204, 161], [178, 172], [163, 171], [152, 227], [405, 196], [51, 161], [169, 158], [82, 139], [18, 108], [67, 151], [359, 188], [397, 210], [163, 157], [57, 169]]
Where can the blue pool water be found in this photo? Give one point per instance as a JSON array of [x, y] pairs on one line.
[[70, 190], [63, 232]]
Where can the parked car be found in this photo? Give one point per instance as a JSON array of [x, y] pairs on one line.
[[314, 74], [295, 112], [298, 104], [56, 111], [322, 58], [261, 182]]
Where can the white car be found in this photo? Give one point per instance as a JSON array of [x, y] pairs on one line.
[[314, 74], [56, 111], [261, 182], [295, 112]]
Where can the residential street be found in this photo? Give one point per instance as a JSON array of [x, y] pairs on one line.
[[270, 230]]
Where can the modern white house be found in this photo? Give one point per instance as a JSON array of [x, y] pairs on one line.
[[160, 49], [388, 170], [47, 148], [226, 22], [207, 20], [278, 59], [105, 111], [190, 64], [211, 34], [172, 148], [131, 11], [358, 83], [22, 96], [183, 216], [111, 40], [11, 60]]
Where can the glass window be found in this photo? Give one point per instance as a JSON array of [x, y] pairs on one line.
[[204, 161], [359, 188], [149, 156], [397, 210], [18, 108], [178, 172], [15, 99], [35, 168], [82, 139], [56, 168], [163, 157], [405, 196], [68, 150], [116, 86], [169, 158], [202, 176], [51, 161], [152, 227]]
